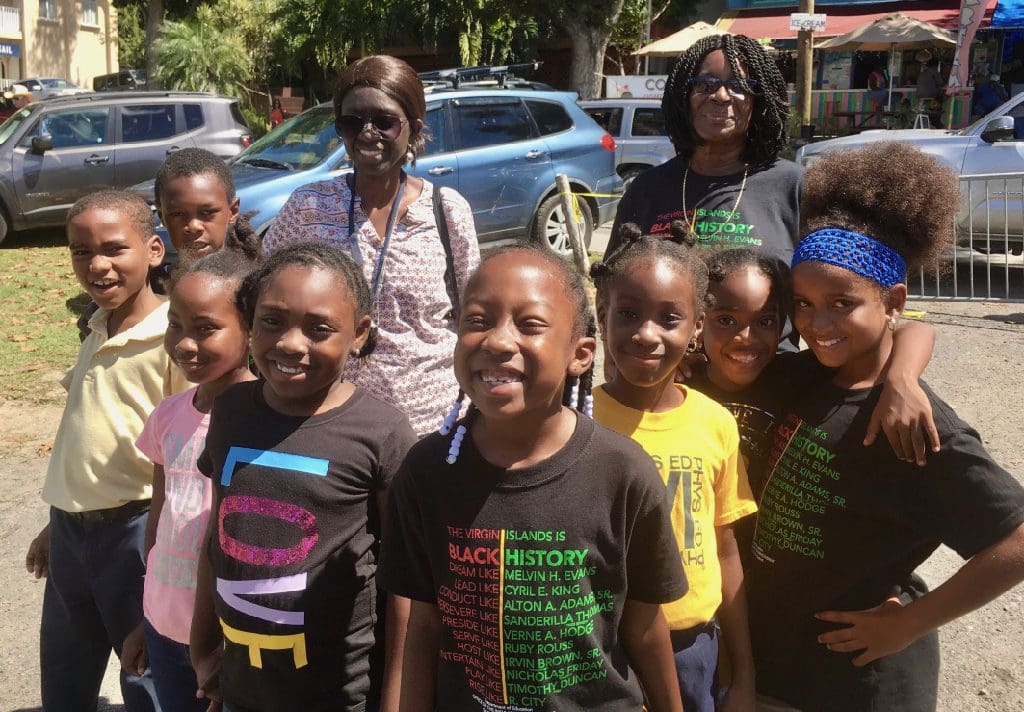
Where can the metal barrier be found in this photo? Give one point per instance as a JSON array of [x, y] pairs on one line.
[[981, 264]]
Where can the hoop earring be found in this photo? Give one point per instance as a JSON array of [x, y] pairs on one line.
[[694, 346]]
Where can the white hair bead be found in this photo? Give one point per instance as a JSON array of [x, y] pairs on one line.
[[453, 450], [453, 415]]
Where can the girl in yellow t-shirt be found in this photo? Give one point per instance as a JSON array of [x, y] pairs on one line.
[[651, 294]]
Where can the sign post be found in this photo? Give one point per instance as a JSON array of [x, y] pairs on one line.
[[805, 23]]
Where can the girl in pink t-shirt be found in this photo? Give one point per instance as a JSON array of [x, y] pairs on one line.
[[207, 338]]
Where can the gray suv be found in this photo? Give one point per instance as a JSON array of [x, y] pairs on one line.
[[55, 151], [638, 127]]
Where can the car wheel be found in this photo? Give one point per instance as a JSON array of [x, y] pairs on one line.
[[4, 228], [630, 173], [549, 226]]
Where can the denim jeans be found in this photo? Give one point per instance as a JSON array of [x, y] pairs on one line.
[[173, 676], [696, 653], [93, 599]]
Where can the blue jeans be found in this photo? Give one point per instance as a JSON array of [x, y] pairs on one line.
[[93, 599], [696, 653], [173, 676]]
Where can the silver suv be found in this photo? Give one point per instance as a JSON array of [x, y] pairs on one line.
[[55, 151], [638, 127]]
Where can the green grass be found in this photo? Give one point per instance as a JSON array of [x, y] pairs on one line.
[[41, 301]]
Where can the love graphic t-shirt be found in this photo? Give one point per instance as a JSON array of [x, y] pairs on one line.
[[841, 526], [173, 437], [696, 450], [295, 550], [530, 569]]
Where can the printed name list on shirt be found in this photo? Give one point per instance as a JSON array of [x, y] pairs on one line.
[[521, 610]]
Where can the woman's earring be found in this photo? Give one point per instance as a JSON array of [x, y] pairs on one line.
[[891, 323], [410, 155], [694, 346]]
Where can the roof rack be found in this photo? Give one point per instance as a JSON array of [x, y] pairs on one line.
[[457, 75]]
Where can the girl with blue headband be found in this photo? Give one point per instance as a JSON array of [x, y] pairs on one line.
[[842, 526]]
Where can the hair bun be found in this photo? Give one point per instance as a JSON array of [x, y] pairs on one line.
[[682, 234], [630, 232], [599, 270]]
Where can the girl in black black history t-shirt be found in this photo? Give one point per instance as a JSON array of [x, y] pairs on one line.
[[843, 526], [536, 545]]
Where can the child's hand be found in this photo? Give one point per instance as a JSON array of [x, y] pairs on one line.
[[904, 414], [134, 659], [37, 561], [877, 632], [208, 677]]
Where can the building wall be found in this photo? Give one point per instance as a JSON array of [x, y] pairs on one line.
[[64, 46]]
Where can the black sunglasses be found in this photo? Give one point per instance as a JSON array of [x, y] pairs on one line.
[[387, 126], [736, 88]]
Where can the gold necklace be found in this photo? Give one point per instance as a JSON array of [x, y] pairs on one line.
[[732, 213]]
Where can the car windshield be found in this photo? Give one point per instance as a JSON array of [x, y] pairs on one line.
[[12, 124], [299, 143]]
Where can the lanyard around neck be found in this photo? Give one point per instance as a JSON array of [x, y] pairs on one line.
[[353, 240]]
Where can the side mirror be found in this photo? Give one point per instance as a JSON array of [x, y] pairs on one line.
[[999, 129], [41, 144]]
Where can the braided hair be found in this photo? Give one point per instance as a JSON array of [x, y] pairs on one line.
[[634, 245], [311, 254], [188, 162], [577, 392], [726, 261], [766, 133]]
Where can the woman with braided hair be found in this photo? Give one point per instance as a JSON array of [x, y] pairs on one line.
[[726, 109]]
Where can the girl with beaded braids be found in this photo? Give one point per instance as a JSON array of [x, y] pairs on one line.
[[415, 241], [726, 109], [843, 526], [530, 499], [651, 298]]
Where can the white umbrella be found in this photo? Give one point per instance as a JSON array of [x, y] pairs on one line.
[[678, 42], [889, 33]]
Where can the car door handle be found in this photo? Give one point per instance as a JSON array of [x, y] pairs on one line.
[[441, 170], [534, 154], [95, 160]]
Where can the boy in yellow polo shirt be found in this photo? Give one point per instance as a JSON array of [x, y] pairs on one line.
[[99, 484]]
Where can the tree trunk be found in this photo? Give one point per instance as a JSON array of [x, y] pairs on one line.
[[588, 48], [154, 17]]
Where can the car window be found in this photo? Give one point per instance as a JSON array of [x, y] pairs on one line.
[[72, 128], [194, 116], [433, 129], [8, 127], [150, 122], [607, 117], [300, 142], [489, 122], [648, 122], [550, 116]]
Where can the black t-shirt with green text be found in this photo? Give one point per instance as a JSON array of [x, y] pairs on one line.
[[530, 569], [841, 526]]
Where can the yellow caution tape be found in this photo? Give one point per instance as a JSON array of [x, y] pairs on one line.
[[914, 314]]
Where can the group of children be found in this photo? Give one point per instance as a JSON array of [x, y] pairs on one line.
[[534, 557]]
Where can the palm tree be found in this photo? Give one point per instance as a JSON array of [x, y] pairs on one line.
[[195, 55]]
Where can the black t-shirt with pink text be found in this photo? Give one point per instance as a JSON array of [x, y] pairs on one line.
[[530, 569]]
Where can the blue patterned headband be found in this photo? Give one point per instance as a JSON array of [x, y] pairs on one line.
[[850, 250]]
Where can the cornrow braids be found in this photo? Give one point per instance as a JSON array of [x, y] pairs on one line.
[[193, 162], [572, 281], [725, 261], [766, 132], [309, 254], [634, 245], [579, 391]]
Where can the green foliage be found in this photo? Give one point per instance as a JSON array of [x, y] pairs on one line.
[[489, 32], [131, 35], [195, 55], [259, 122]]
